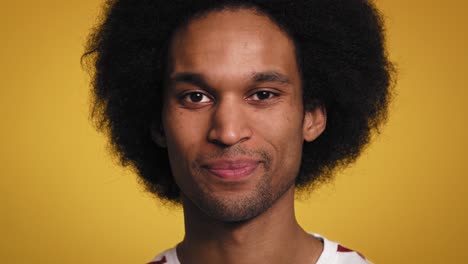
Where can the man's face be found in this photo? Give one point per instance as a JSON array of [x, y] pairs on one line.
[[233, 114]]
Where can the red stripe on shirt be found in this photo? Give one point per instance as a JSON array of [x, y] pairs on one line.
[[343, 249], [162, 261]]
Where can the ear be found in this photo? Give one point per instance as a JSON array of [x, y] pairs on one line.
[[157, 135], [315, 122]]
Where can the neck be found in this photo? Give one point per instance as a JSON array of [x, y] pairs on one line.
[[271, 237]]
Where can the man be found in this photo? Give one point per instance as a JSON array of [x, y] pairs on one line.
[[228, 106]]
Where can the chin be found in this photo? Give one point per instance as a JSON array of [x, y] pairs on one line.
[[232, 207]]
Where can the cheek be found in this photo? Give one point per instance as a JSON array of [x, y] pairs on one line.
[[284, 135], [182, 128], [184, 133]]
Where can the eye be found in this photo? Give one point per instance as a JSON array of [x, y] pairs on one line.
[[196, 97], [263, 95]]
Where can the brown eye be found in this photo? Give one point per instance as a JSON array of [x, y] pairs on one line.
[[196, 97], [262, 95]]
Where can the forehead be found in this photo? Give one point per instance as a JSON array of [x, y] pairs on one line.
[[232, 42]]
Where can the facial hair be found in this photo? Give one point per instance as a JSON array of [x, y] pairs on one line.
[[238, 208]]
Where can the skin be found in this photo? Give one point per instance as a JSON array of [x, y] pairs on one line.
[[234, 126]]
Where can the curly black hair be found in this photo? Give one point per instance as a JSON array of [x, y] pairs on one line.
[[340, 52]]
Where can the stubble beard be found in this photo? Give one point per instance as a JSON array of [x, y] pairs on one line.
[[242, 207]]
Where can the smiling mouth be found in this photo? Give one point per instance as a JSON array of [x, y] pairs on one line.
[[232, 170]]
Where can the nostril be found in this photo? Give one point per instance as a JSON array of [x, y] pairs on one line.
[[225, 135], [220, 143]]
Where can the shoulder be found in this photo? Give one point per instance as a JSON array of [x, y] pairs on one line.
[[334, 253], [166, 257]]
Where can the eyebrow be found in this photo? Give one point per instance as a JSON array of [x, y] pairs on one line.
[[191, 78], [270, 76], [256, 77]]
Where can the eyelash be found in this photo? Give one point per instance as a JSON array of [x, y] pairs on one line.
[[185, 97], [270, 95]]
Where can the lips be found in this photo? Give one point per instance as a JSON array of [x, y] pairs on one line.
[[232, 170]]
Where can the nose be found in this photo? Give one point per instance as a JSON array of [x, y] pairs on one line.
[[229, 124]]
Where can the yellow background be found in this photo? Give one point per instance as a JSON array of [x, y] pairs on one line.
[[63, 199]]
